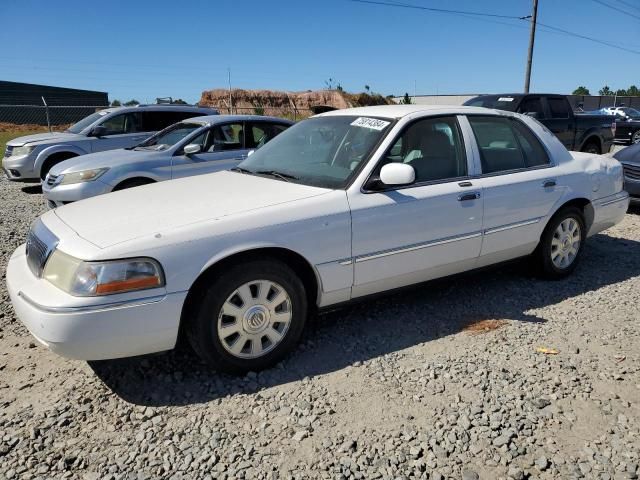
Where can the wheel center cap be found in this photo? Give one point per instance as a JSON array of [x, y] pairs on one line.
[[256, 319], [566, 243]]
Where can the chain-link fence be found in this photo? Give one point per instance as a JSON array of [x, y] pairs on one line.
[[50, 116]]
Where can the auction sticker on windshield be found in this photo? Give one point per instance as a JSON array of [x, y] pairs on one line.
[[505, 99], [373, 123]]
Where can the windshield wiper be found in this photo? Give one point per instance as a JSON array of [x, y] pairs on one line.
[[240, 169], [273, 173]]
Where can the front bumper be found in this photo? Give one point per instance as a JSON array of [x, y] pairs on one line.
[[93, 328], [58, 195], [20, 169]]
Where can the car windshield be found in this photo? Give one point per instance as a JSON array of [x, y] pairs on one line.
[[169, 136], [494, 101], [85, 122], [322, 151]]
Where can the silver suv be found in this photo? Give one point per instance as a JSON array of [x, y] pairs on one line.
[[30, 158]]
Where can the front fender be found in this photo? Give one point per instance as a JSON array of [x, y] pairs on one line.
[[61, 148]]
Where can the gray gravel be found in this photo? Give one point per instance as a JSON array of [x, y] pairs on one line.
[[394, 388]]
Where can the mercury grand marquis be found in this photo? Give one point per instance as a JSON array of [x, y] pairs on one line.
[[345, 204]]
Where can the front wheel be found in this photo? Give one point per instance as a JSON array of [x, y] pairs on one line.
[[636, 137], [561, 244], [250, 317]]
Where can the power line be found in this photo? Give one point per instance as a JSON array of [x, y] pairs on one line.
[[630, 5], [511, 17], [439, 10], [613, 7]]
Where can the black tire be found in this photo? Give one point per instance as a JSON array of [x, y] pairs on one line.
[[134, 182], [52, 161], [542, 257], [202, 328], [592, 147], [635, 138]]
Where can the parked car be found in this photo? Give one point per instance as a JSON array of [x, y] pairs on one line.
[[340, 206], [629, 157], [30, 158], [192, 147], [579, 132], [627, 124]]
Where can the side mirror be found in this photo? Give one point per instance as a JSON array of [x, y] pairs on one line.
[[397, 174], [192, 149], [535, 115], [98, 131]]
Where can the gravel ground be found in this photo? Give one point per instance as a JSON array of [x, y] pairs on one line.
[[408, 386]]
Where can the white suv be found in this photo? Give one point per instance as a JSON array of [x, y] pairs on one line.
[[30, 158]]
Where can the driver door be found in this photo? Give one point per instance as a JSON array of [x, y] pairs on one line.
[[123, 131], [433, 227], [222, 148]]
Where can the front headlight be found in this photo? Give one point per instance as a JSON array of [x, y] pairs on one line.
[[83, 176], [89, 279], [21, 151]]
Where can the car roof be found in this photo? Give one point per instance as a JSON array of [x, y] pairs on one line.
[[214, 119], [160, 107], [399, 111]]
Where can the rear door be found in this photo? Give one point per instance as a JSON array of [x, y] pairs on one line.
[[560, 120], [520, 185], [221, 147]]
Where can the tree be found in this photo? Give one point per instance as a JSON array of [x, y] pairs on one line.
[[367, 88], [329, 83], [605, 91], [581, 91], [406, 100], [633, 91], [621, 92], [179, 101], [116, 103], [131, 103]]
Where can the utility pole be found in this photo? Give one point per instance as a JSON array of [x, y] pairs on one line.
[[230, 99], [532, 38]]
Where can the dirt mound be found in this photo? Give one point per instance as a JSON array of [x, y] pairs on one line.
[[287, 104]]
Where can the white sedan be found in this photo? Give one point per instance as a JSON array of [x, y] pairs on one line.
[[343, 205]]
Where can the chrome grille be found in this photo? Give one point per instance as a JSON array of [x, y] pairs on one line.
[[632, 172], [51, 179], [40, 244]]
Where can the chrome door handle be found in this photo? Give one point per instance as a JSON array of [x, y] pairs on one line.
[[468, 196], [549, 184]]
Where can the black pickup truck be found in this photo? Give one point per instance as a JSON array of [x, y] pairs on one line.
[[582, 132]]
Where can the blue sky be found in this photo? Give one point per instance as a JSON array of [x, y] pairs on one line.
[[146, 49]]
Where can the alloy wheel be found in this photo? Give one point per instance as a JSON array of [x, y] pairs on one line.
[[565, 243]]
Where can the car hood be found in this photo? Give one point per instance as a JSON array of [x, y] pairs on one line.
[[629, 154], [125, 215], [108, 158], [47, 137]]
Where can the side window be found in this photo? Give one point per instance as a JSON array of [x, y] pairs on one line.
[[532, 105], [120, 124], [259, 133], [433, 147], [558, 107], [534, 153], [499, 150], [227, 137], [204, 139]]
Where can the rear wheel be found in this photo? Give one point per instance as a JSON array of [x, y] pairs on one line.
[[561, 244], [592, 147], [250, 317], [636, 137]]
